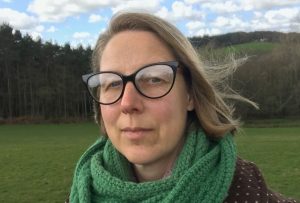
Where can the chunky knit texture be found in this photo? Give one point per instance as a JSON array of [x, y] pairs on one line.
[[202, 173]]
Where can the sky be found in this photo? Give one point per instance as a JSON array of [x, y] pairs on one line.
[[81, 21]]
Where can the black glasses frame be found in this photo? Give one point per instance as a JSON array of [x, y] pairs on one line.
[[131, 78]]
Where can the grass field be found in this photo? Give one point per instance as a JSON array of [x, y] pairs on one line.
[[251, 48], [223, 55], [37, 161]]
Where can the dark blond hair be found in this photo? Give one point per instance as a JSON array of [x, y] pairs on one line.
[[211, 112]]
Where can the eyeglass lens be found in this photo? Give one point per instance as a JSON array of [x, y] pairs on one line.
[[153, 81]]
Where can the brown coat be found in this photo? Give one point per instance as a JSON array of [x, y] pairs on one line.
[[248, 186]]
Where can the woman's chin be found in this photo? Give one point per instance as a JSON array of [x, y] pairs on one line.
[[139, 157]]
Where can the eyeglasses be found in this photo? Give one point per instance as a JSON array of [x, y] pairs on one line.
[[152, 81]]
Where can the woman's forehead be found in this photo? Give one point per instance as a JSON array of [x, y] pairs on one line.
[[132, 50]]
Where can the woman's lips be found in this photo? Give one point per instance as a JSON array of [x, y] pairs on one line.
[[135, 133]]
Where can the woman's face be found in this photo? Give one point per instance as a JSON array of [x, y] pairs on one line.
[[144, 130]]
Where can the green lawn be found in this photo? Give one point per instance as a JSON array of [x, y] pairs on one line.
[[37, 161], [276, 152], [223, 55], [251, 48]]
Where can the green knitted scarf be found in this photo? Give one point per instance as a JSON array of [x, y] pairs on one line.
[[202, 173]]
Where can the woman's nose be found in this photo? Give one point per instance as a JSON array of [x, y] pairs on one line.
[[131, 101]]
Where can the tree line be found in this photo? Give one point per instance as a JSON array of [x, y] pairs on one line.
[[240, 38], [41, 81]]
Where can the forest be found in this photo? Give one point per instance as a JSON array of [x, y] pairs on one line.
[[41, 81]]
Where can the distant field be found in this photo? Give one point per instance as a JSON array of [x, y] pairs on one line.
[[37, 161], [252, 47], [239, 50]]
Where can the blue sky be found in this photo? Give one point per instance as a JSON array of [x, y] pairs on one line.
[[81, 21]]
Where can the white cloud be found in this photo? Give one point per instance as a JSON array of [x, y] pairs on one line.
[[218, 26], [295, 25], [195, 1], [297, 18], [81, 35], [152, 5], [180, 11], [195, 25], [84, 39], [52, 29], [163, 12], [21, 21], [35, 35], [221, 21], [231, 22], [85, 42], [39, 28], [222, 7], [284, 15], [93, 18], [230, 6], [267, 4], [207, 31], [284, 20], [258, 14], [7, 1], [18, 20], [59, 10]]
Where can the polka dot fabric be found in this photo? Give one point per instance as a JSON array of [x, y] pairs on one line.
[[248, 186]]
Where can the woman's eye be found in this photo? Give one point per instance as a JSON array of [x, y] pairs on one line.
[[154, 80], [114, 84], [111, 85]]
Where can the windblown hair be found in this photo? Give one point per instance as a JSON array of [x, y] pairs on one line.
[[211, 112]]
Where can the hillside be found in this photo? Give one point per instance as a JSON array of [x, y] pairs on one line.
[[235, 38], [270, 76]]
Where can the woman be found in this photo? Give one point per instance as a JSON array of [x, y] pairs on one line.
[[167, 133]]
